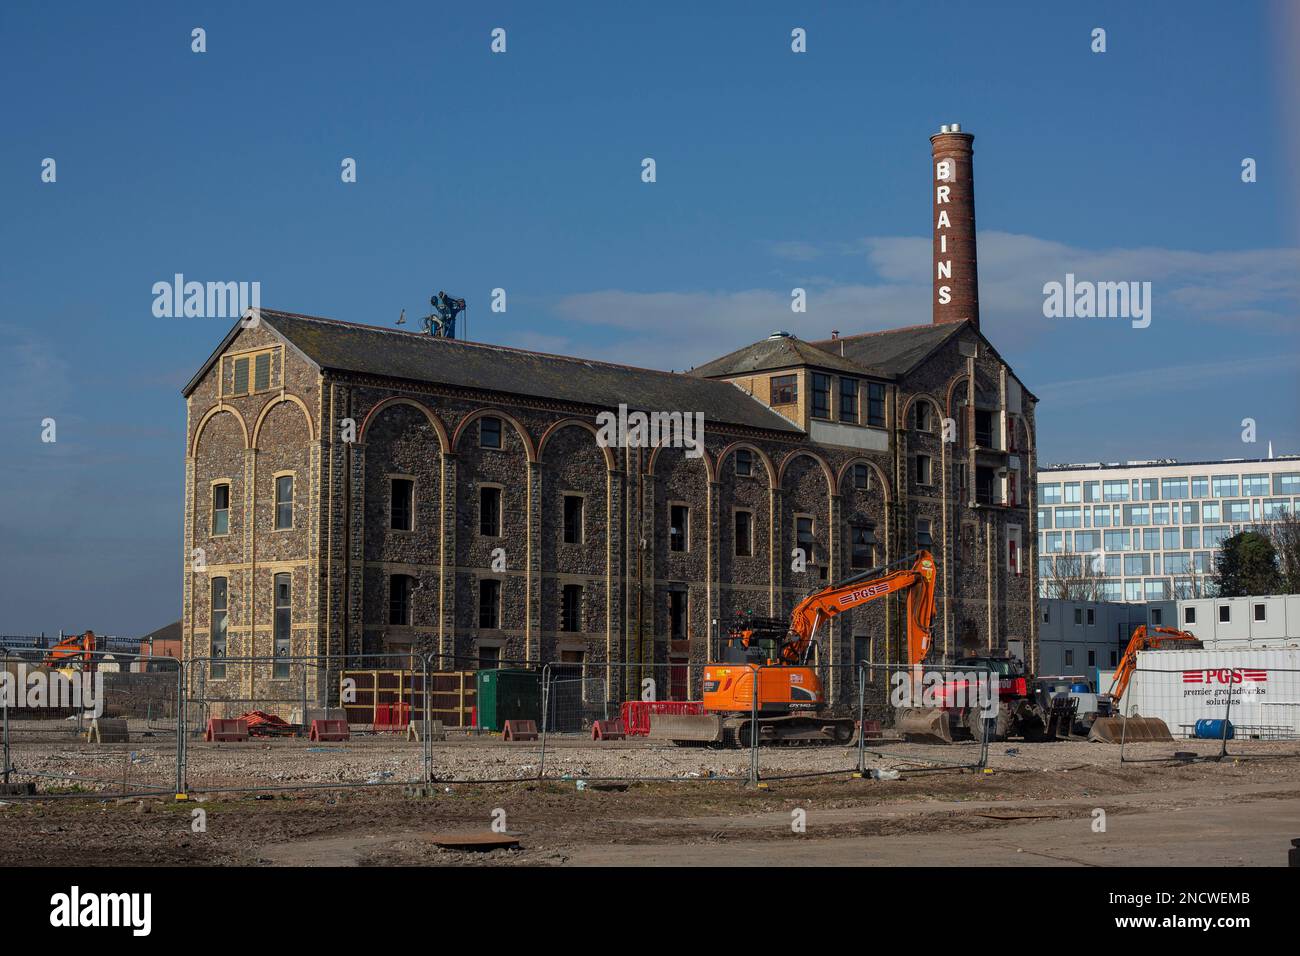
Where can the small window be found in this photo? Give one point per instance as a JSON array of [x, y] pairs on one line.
[[744, 463], [1069, 658], [1189, 615], [283, 625], [489, 658], [1092, 617], [1047, 615], [219, 632], [744, 534], [922, 420], [1225, 613], [924, 539], [1260, 612], [489, 511], [400, 589], [785, 389], [401, 514], [821, 395], [489, 432], [571, 609], [862, 546], [489, 604], [849, 400], [679, 530], [923, 464], [1078, 616], [262, 372], [573, 519], [220, 509], [241, 377], [1092, 658], [1157, 617], [284, 502], [1114, 658], [861, 477]]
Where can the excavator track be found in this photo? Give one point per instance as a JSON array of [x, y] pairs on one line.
[[727, 732]]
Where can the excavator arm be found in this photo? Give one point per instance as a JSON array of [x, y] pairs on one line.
[[826, 604], [1146, 639]]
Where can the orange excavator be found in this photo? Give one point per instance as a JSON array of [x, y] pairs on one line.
[[769, 656], [74, 652], [1136, 727]]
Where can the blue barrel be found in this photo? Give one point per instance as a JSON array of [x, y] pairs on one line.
[[1079, 689], [1208, 728]]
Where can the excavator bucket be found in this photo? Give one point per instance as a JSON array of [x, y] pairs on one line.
[[686, 728], [1111, 730], [923, 725]]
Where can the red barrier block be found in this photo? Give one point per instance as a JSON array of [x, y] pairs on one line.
[[328, 730], [220, 730], [520, 730], [871, 730], [607, 730]]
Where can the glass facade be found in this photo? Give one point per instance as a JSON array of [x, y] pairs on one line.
[[1154, 529]]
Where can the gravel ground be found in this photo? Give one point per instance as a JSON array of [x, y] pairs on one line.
[[59, 763]]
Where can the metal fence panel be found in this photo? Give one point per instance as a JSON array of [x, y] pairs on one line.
[[104, 724], [1214, 713]]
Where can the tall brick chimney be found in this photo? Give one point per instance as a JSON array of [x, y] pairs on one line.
[[956, 282]]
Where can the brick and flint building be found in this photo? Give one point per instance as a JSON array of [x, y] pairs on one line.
[[354, 490]]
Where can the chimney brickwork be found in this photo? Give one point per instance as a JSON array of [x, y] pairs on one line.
[[955, 274]]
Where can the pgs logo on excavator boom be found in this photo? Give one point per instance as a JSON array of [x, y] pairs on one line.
[[862, 594]]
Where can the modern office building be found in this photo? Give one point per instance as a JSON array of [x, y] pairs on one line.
[[1150, 528]]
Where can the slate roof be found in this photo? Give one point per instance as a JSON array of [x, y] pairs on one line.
[[887, 354], [777, 351], [414, 356]]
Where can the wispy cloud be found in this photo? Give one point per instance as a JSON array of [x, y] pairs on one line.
[[675, 329]]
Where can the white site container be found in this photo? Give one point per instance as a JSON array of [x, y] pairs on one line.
[[1181, 687]]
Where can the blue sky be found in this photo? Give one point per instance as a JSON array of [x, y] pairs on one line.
[[522, 171]]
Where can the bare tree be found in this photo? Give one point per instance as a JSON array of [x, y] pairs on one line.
[[1285, 535], [1073, 577], [1196, 584]]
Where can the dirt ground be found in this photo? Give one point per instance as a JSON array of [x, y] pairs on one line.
[[1057, 804]]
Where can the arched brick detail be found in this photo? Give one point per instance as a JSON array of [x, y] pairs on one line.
[[952, 388], [208, 415], [292, 399], [880, 475], [919, 397], [529, 448], [710, 468], [610, 462], [763, 456], [804, 453], [433, 419]]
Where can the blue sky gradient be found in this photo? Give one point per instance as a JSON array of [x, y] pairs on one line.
[[522, 171]]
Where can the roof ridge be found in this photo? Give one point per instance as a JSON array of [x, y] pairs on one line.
[[420, 336], [901, 328]]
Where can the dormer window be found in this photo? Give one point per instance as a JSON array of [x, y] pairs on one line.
[[785, 389]]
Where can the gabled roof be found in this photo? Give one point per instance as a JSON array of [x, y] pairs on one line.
[[885, 354], [774, 352], [893, 352], [334, 346]]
